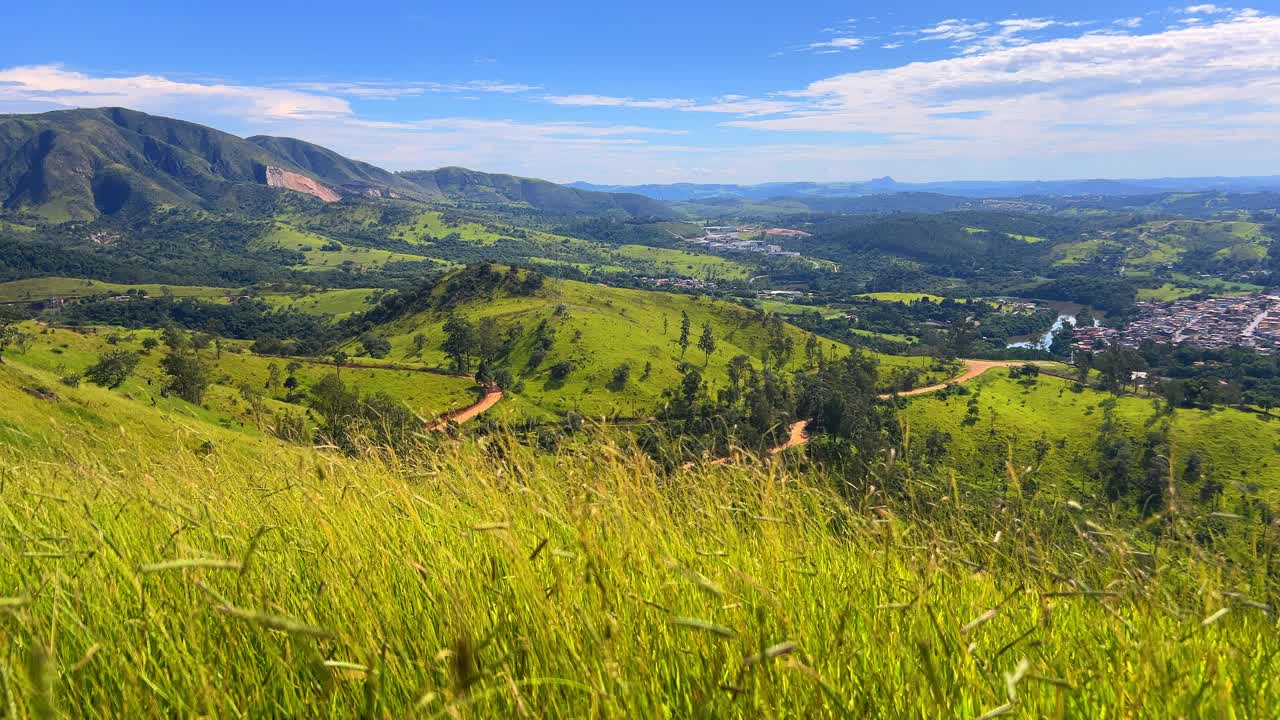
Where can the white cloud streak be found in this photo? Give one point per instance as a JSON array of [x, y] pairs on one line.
[[54, 85]]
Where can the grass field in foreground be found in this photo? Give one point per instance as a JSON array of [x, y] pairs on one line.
[[155, 567]]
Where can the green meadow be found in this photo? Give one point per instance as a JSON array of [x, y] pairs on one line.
[[687, 263]]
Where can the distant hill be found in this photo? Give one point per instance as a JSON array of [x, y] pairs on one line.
[[463, 185], [80, 164], [962, 188], [352, 176], [77, 164], [880, 204]]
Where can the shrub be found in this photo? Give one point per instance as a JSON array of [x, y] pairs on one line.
[[561, 370]]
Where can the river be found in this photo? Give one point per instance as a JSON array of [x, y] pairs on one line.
[[1067, 312]]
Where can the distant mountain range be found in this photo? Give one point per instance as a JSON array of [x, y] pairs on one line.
[[685, 192], [79, 164]]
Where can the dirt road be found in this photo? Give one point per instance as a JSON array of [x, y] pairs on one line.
[[490, 398], [796, 436], [973, 368]]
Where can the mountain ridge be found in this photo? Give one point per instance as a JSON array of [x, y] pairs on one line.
[[80, 164], [679, 192]]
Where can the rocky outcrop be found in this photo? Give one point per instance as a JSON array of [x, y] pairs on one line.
[[279, 177]]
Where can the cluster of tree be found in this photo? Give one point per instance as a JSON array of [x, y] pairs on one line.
[[248, 319], [188, 373], [1129, 469], [1193, 377], [354, 423], [757, 407], [1115, 295]]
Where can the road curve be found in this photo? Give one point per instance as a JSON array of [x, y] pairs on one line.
[[973, 368], [797, 435], [490, 398]]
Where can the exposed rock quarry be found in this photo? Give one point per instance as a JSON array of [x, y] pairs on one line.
[[279, 177]]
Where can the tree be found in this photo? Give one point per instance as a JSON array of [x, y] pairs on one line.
[[339, 359], [685, 326], [459, 341], [811, 349], [150, 344], [273, 376], [113, 368], [419, 343], [560, 371], [337, 405], [375, 346], [253, 398], [707, 343], [188, 374], [664, 325], [621, 376], [8, 330]]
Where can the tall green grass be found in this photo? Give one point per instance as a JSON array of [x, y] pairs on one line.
[[147, 576]]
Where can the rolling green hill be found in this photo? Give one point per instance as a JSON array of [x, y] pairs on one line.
[[595, 330], [78, 164], [1050, 432], [470, 186]]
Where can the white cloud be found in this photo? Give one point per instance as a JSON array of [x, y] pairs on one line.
[[1201, 99], [891, 45], [612, 101], [369, 90], [1206, 9], [838, 44], [1130, 22], [728, 104], [1209, 85], [954, 30], [55, 86]]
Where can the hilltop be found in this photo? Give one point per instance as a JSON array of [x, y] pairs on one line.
[[565, 341]]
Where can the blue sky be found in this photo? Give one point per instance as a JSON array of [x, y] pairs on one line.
[[690, 91]]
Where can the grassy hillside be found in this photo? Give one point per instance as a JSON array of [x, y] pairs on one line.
[[43, 288], [669, 261], [61, 352], [324, 253], [1239, 449], [597, 329], [156, 565]]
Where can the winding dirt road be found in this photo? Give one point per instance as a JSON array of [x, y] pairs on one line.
[[490, 398], [973, 368]]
